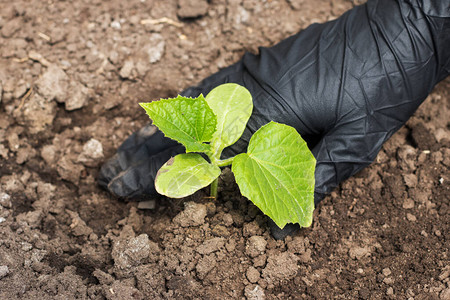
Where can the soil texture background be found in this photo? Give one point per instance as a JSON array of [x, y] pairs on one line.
[[71, 76]]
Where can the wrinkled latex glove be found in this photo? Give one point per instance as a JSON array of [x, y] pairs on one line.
[[346, 86]]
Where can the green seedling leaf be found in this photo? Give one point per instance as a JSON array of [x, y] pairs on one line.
[[277, 174], [185, 174], [189, 121], [233, 106]]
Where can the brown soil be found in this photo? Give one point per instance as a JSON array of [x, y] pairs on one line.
[[71, 75]]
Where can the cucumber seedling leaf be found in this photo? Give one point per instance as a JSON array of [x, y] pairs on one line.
[[277, 174], [185, 174], [189, 121], [233, 106]]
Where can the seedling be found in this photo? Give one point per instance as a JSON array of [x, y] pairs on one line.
[[276, 173]]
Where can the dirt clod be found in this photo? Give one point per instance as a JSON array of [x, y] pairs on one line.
[[205, 264], [445, 294], [192, 8], [131, 252], [211, 245], [53, 84], [256, 245], [359, 252], [193, 215], [280, 267], [69, 170], [252, 274], [37, 113]]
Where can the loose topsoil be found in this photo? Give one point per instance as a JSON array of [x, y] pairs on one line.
[[71, 75]]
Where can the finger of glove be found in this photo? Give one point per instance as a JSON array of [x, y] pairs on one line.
[[138, 147], [139, 178], [340, 156]]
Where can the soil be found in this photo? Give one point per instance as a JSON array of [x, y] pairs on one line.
[[71, 75]]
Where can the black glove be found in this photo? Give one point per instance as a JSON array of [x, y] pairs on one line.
[[346, 86]]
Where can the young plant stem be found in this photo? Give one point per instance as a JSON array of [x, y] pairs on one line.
[[213, 188], [225, 162], [219, 163]]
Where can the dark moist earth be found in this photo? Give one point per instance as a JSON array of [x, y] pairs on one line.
[[71, 75]]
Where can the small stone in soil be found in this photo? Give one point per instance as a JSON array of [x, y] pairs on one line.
[[127, 70], [5, 200], [26, 246], [92, 152], [441, 134], [150, 204], [254, 292], [386, 271], [155, 49], [390, 291], [4, 270]]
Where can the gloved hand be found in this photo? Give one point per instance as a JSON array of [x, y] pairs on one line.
[[346, 86]]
